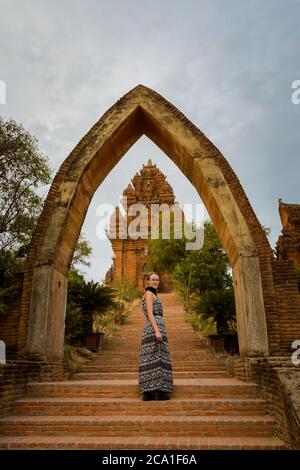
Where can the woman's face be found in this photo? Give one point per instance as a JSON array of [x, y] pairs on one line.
[[154, 281]]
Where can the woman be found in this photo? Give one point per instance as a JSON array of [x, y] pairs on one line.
[[155, 370]]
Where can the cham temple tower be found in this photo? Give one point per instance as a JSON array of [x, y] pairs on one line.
[[288, 243], [147, 187]]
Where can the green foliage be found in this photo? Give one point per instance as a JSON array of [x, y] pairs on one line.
[[125, 291], [23, 169], [86, 301], [165, 253], [74, 324], [105, 323], [75, 278], [205, 269], [81, 254], [11, 264], [267, 230], [120, 313], [204, 325], [202, 274], [84, 298], [219, 305], [94, 297]]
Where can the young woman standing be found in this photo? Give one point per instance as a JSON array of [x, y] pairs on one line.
[[155, 370]]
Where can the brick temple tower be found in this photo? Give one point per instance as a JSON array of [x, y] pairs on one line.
[[288, 244], [147, 187]]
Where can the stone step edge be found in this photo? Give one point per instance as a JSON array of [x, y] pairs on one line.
[[138, 442], [84, 400], [79, 375], [207, 382], [141, 419]]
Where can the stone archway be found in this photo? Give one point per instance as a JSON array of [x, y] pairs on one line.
[[143, 111]]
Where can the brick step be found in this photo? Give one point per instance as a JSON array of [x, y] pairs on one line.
[[101, 407], [121, 353], [171, 322], [136, 425], [176, 340], [168, 320], [140, 442], [116, 356], [205, 356], [133, 375], [182, 342], [128, 406], [181, 363], [199, 352], [225, 387], [175, 361], [176, 329], [171, 317], [179, 367], [137, 335], [132, 348], [178, 364]]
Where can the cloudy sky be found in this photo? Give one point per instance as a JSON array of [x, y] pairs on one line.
[[227, 65]]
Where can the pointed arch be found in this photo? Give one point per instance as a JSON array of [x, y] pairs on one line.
[[143, 111]]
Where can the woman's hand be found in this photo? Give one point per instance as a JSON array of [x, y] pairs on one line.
[[158, 336]]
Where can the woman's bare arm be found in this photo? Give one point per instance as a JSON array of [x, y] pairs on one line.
[[149, 304]]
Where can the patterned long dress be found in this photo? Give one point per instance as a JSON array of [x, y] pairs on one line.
[[155, 370]]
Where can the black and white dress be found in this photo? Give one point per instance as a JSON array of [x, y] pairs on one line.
[[155, 370]]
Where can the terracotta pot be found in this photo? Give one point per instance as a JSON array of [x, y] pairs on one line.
[[93, 341]]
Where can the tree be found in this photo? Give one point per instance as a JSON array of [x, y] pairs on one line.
[[204, 273], [81, 254], [92, 298], [204, 269], [76, 323], [10, 265], [23, 169], [165, 253], [219, 305]]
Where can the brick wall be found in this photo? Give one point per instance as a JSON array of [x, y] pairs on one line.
[[288, 303], [279, 382], [14, 377]]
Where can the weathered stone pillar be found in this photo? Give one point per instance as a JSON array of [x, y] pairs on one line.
[[45, 338], [250, 311]]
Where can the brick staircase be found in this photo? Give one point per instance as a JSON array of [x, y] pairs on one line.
[[100, 408]]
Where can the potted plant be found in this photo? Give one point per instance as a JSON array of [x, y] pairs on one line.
[[219, 305], [93, 299]]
